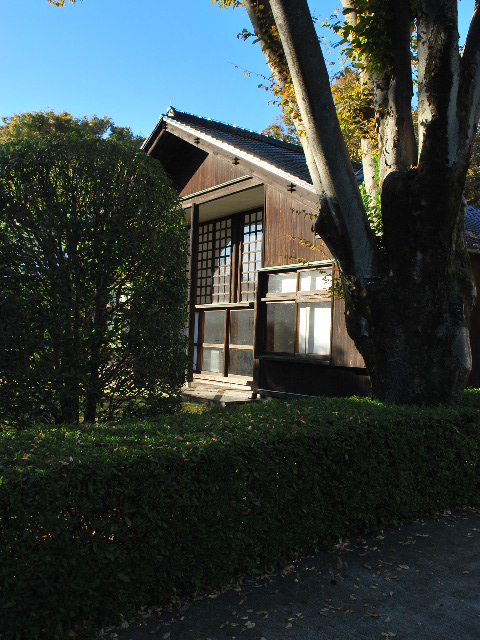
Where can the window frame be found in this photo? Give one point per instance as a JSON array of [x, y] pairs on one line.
[[298, 298], [246, 248], [207, 267]]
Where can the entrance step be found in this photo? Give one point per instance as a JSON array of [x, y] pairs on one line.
[[215, 393]]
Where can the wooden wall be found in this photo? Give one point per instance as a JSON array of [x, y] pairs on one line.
[[308, 378], [212, 171], [344, 351], [286, 216], [474, 380]]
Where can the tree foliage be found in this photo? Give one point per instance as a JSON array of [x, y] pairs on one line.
[[282, 129], [92, 262], [37, 124]]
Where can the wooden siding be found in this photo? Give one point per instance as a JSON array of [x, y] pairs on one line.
[[344, 351], [211, 172], [310, 379], [287, 217], [474, 380]]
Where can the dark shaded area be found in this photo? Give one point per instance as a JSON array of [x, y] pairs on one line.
[[415, 581]]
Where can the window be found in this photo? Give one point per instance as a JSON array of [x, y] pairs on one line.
[[251, 254], [214, 341], [298, 312], [241, 342], [229, 256]]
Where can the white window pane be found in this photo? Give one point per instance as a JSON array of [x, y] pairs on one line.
[[280, 328], [282, 283], [314, 327], [213, 360], [195, 335], [303, 326], [214, 330], [241, 327], [316, 280]]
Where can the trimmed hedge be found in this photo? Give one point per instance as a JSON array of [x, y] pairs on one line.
[[98, 519]]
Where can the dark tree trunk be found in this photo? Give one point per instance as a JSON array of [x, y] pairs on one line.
[[69, 392], [69, 404], [93, 391], [92, 395], [411, 324]]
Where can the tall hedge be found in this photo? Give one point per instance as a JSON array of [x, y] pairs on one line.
[[97, 520], [92, 271]]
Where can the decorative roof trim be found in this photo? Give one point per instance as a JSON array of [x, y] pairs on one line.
[[238, 153], [215, 188]]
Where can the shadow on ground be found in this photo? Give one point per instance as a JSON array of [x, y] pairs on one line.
[[417, 581]]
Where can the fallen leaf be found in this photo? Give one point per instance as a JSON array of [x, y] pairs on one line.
[[166, 636], [289, 625], [250, 625]]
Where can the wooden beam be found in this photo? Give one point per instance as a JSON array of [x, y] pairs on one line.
[[192, 287]]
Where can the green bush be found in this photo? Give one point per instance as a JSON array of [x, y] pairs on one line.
[[98, 519], [92, 264]]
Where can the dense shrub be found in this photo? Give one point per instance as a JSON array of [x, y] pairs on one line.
[[92, 265], [95, 520]]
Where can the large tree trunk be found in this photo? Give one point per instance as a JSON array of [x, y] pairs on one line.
[[409, 301], [411, 324]]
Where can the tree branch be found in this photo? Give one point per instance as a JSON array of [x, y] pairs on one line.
[[399, 148], [265, 30], [353, 242], [438, 82], [469, 94]]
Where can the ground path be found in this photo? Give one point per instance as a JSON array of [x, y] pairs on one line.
[[416, 582]]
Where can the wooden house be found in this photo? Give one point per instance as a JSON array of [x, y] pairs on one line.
[[262, 309]]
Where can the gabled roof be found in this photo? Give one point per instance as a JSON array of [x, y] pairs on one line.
[[275, 156]]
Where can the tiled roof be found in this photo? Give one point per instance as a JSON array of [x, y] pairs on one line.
[[283, 156], [280, 155]]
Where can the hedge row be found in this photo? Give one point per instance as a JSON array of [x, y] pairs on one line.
[[98, 519]]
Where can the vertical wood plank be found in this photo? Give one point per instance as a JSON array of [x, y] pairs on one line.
[[192, 284]]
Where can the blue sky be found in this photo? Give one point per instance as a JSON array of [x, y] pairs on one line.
[[131, 59]]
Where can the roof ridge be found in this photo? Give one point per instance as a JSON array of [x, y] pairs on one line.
[[229, 128]]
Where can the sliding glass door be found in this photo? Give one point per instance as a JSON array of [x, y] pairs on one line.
[[229, 256]]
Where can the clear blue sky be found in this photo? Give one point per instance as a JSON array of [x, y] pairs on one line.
[[131, 59]]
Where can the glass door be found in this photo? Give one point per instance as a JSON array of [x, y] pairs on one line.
[[213, 360], [241, 343]]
